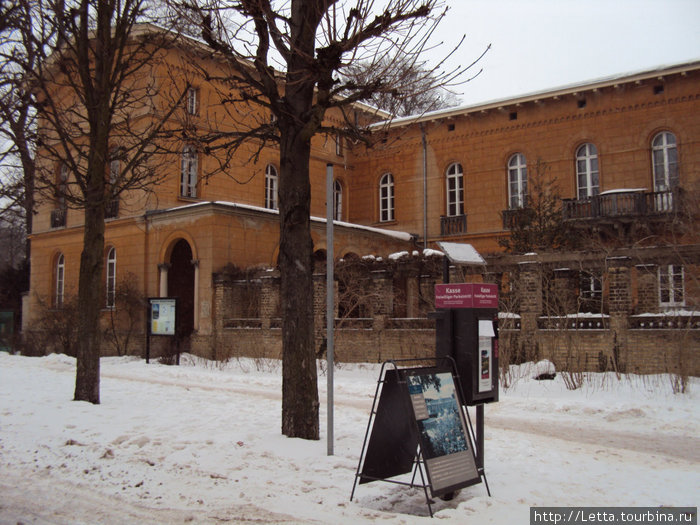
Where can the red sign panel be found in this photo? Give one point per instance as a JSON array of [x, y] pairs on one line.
[[485, 295], [466, 295]]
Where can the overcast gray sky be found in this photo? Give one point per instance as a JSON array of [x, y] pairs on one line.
[[543, 44]]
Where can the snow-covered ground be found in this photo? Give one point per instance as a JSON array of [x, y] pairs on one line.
[[201, 443]]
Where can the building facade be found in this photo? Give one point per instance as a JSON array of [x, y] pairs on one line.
[[623, 154]]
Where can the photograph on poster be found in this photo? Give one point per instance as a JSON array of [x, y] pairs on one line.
[[439, 421]]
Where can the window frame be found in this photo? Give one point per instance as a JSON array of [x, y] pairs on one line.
[[189, 172], [669, 167], [192, 100], [386, 198], [337, 200], [62, 186], [59, 287], [111, 278], [517, 173], [339, 149], [675, 292], [587, 154], [454, 202], [271, 187]]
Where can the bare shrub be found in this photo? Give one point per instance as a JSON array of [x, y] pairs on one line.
[[55, 330], [126, 316]]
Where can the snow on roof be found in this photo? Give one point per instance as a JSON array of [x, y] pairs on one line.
[[537, 95], [404, 236], [461, 253]]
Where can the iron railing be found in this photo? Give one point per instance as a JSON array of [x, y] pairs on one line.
[[622, 204]]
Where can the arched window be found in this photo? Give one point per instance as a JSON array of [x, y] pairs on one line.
[[111, 273], [271, 187], [59, 284], [517, 181], [337, 201], [587, 176], [188, 172], [455, 190], [664, 154], [386, 198]]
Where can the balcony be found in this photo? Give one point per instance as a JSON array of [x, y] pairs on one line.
[[514, 217], [622, 204], [58, 218], [453, 225]]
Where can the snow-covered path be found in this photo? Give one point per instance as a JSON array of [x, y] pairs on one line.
[[200, 443]]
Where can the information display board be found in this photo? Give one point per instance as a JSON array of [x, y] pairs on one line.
[[163, 313], [417, 422], [449, 458]]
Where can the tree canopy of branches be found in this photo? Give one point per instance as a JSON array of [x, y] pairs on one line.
[[291, 60], [424, 95], [90, 83]]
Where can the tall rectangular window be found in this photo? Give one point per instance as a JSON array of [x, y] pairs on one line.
[[517, 181], [59, 284], [455, 190], [271, 181], [192, 100], [386, 198], [111, 267], [671, 286], [587, 174], [188, 172]]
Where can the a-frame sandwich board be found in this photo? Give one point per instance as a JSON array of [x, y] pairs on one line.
[[418, 425]]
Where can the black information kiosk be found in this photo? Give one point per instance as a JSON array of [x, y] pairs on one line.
[[418, 422]]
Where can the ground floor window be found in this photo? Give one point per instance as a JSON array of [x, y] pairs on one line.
[[671, 285]]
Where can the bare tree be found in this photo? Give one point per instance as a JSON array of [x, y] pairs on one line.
[[425, 94], [287, 63], [19, 54], [95, 97], [538, 225]]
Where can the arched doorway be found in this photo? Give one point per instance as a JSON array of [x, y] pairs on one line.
[[181, 285]]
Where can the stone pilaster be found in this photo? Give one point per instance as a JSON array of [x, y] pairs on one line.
[[647, 288]]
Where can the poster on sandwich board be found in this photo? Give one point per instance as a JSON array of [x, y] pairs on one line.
[[445, 444]]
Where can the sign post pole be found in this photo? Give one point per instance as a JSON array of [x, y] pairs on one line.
[[330, 303]]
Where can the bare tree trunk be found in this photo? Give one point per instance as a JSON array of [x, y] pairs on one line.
[[87, 377], [300, 416]]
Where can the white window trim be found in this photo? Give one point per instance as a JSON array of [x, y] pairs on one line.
[[188, 172], [583, 153], [455, 195], [60, 280], [386, 198], [662, 181], [111, 278], [517, 172], [271, 187], [192, 101], [337, 200], [668, 273]]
